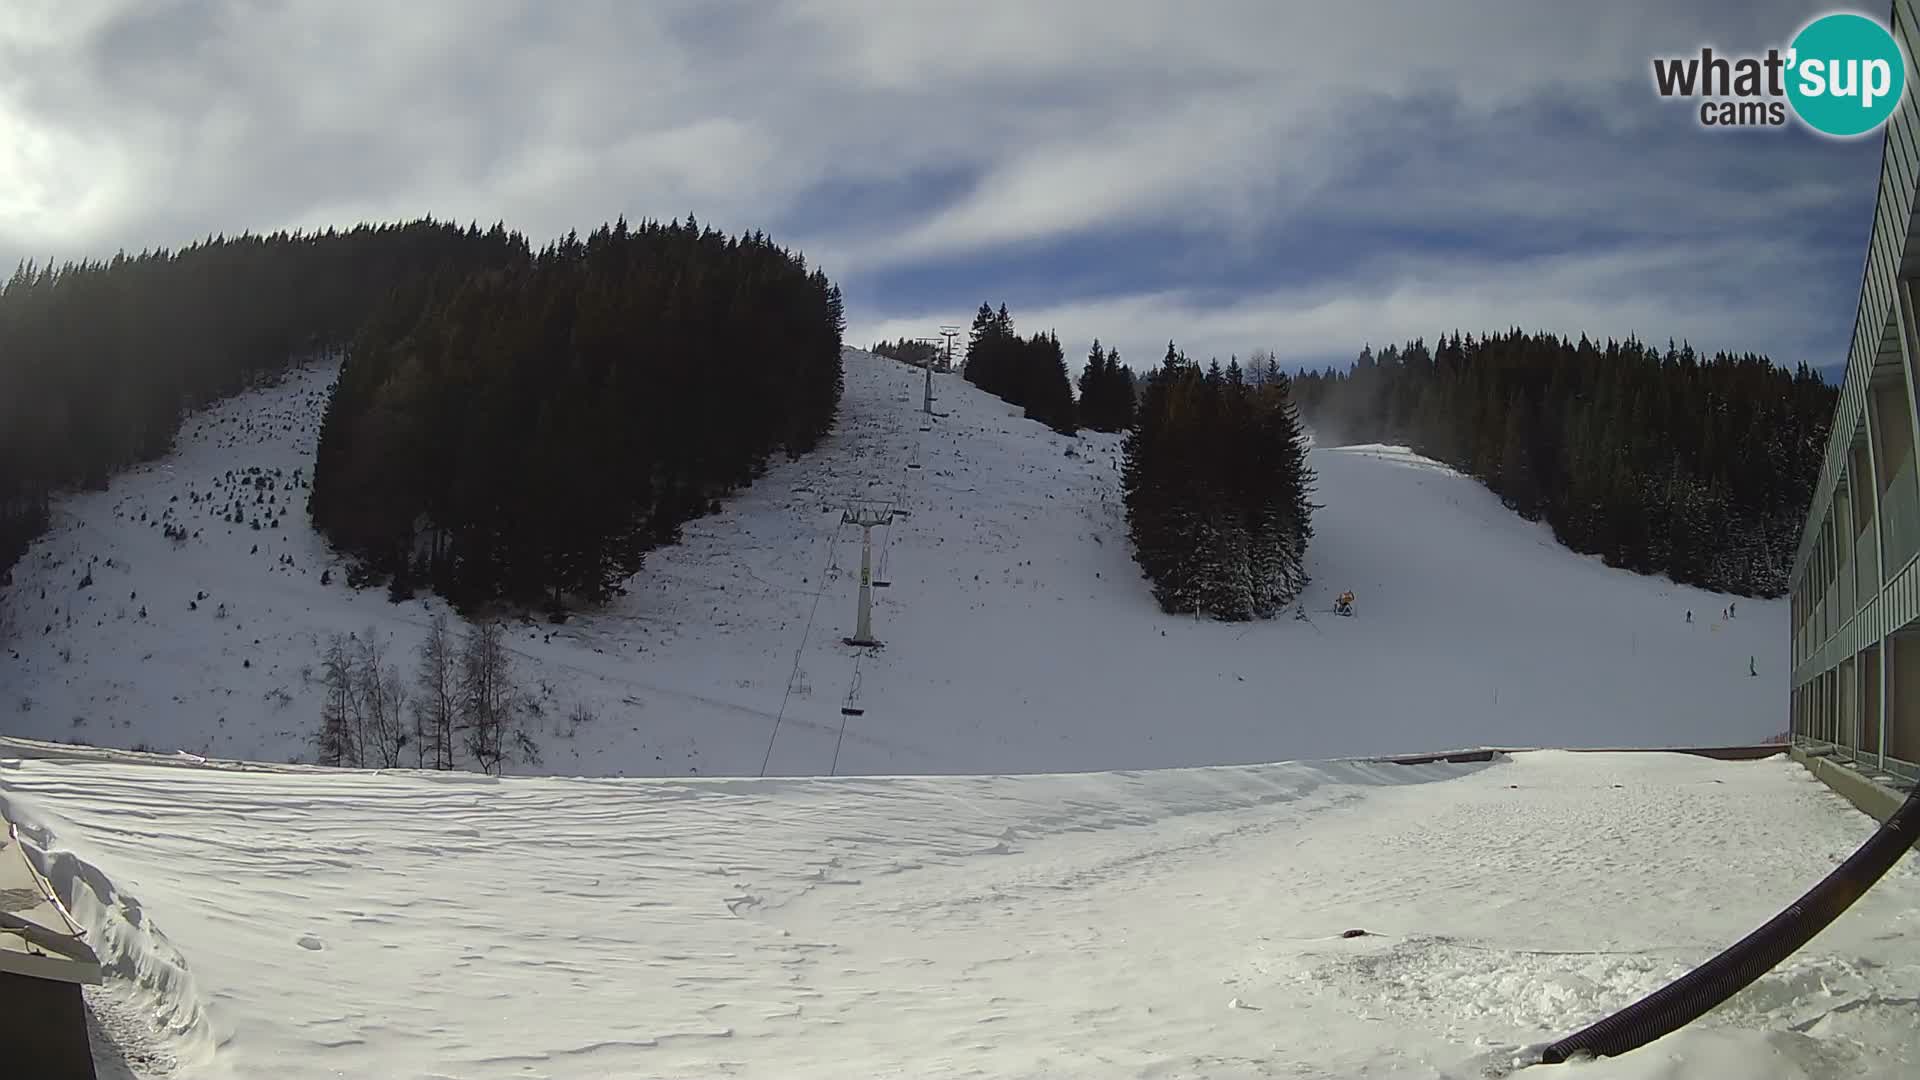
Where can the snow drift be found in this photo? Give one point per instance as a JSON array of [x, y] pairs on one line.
[[308, 923]]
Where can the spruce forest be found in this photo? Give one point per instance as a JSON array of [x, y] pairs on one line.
[[508, 425], [910, 351], [1216, 485], [101, 360], [1662, 462], [522, 427], [526, 433]]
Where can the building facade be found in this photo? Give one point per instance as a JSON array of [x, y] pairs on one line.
[[1856, 579]]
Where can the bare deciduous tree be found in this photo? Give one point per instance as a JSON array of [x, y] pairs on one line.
[[438, 704], [363, 707], [383, 704], [1261, 364], [490, 702], [371, 718], [338, 741]]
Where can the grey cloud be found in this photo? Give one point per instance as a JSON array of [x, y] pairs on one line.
[[139, 124], [1680, 289]]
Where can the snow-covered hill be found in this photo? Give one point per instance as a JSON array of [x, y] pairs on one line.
[[1166, 923], [1019, 635], [1134, 918]]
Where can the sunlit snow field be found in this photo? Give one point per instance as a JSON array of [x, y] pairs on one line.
[[1170, 923], [1063, 851], [1019, 634]]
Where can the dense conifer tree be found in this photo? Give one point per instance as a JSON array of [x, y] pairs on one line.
[[1216, 490], [1095, 406], [1029, 372], [1106, 391]]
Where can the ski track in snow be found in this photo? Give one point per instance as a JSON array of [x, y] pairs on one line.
[[1155, 924], [1020, 636]]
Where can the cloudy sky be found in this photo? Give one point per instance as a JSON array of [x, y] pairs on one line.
[[1303, 177]]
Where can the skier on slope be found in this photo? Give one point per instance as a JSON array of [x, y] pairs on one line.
[[1344, 605]]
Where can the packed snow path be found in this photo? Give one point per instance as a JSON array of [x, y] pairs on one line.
[[1182, 923], [1019, 634]]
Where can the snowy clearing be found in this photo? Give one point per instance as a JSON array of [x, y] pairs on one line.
[[1176, 923], [1019, 635]]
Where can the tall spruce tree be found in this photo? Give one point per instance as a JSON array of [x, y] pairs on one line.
[[1096, 406], [1121, 392]]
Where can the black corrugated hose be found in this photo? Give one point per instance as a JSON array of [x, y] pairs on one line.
[[1689, 997]]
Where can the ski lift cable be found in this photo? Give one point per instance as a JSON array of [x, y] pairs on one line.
[[853, 694], [833, 546]]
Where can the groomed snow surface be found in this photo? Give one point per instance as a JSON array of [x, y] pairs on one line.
[[1019, 634], [1170, 923]]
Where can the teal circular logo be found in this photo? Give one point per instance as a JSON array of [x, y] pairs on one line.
[[1846, 74]]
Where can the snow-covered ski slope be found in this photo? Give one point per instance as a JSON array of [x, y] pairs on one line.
[[1166, 923], [1019, 634]]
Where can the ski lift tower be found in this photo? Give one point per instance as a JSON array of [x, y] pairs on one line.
[[866, 516], [949, 332], [926, 405]]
